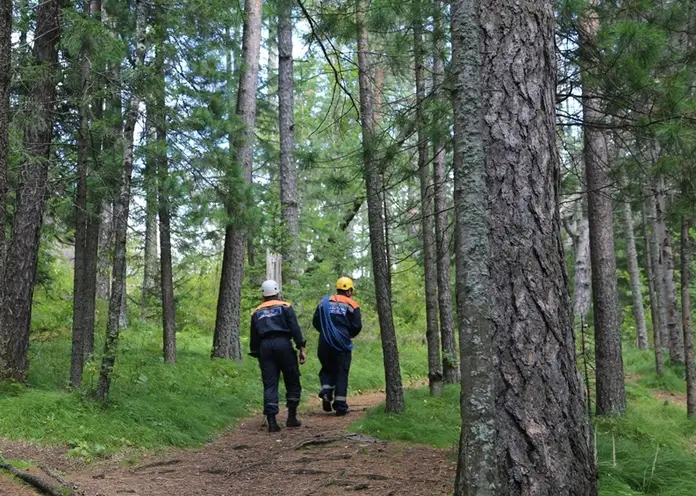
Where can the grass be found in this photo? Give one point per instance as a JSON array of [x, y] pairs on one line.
[[655, 443], [154, 405]]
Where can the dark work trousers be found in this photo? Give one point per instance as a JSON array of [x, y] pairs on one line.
[[335, 367], [276, 356]]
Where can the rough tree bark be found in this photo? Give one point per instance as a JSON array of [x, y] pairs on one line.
[[81, 216], [686, 255], [611, 393], [672, 326], [23, 251], [286, 125], [120, 213], [654, 311], [373, 183], [477, 467], [164, 212], [634, 274], [5, 86], [542, 431], [105, 250], [426, 197], [226, 342], [450, 362]]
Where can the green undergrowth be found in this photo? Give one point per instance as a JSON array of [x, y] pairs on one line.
[[651, 450], [154, 405]]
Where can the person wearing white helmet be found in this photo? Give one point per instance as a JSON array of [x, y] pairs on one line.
[[273, 326]]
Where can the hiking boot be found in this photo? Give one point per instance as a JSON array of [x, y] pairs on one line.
[[292, 418], [325, 403], [272, 424], [342, 412]]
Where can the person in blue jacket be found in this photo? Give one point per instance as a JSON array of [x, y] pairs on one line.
[[273, 326], [338, 320]]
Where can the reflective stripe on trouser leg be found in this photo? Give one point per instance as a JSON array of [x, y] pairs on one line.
[[341, 399]]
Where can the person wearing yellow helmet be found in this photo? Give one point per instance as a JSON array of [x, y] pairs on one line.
[[338, 320]]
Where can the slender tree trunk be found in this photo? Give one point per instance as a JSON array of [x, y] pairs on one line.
[[164, 210], [664, 233], [543, 436], [450, 362], [373, 183], [150, 261], [226, 343], [611, 393], [654, 312], [120, 214], [81, 215], [286, 123], [582, 282], [5, 90], [634, 273], [477, 467], [105, 251], [22, 255], [90, 280], [686, 251], [426, 197]]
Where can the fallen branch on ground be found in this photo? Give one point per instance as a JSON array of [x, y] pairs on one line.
[[38, 484]]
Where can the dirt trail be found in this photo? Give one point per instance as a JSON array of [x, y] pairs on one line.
[[319, 458]]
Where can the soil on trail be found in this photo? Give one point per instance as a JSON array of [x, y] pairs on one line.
[[319, 458]]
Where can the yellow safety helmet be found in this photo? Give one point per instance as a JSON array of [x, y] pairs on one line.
[[344, 283]]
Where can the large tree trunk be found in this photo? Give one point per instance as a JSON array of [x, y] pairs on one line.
[[686, 251], [611, 393], [582, 281], [426, 196], [664, 238], [477, 467], [5, 88], [542, 431], [81, 216], [634, 274], [150, 265], [120, 216], [450, 362], [22, 255], [373, 183], [164, 211], [654, 311], [226, 343], [286, 123]]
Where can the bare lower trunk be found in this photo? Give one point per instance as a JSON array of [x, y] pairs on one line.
[[286, 123], [686, 251], [105, 251], [164, 211], [23, 251], [611, 393], [654, 312], [372, 175], [81, 215], [664, 239], [5, 87], [582, 282], [150, 262], [429, 260], [543, 436], [226, 343], [634, 274], [450, 362], [120, 214], [477, 467]]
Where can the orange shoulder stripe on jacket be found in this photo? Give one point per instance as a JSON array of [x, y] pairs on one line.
[[272, 303], [344, 299]]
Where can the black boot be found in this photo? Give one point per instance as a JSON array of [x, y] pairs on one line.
[[272, 424], [292, 417], [325, 402]]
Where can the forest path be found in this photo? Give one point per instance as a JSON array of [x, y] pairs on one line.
[[319, 458]]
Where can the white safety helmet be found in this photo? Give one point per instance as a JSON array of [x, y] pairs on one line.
[[270, 288]]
